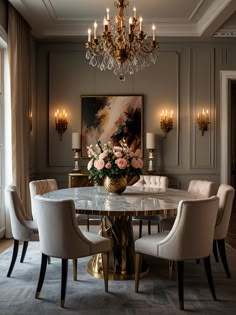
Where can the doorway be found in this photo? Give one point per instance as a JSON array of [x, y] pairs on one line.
[[232, 97], [226, 78]]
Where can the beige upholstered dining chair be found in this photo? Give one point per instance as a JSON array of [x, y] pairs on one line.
[[203, 188], [43, 186], [184, 241], [61, 237], [150, 181], [22, 230], [226, 197], [40, 187]]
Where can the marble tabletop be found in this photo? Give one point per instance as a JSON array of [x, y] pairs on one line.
[[134, 201]]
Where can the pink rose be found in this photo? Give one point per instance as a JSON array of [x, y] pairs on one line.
[[90, 164], [118, 154], [99, 164], [138, 152], [121, 163], [108, 165], [137, 163]]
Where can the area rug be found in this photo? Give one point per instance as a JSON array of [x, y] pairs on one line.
[[86, 296]]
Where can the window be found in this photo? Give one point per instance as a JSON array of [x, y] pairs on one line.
[[5, 131]]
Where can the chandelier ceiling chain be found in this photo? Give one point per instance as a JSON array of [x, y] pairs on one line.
[[121, 50]]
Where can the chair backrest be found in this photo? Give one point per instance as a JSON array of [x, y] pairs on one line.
[[40, 187], [226, 197], [202, 187], [20, 230], [153, 181], [59, 233], [191, 236]]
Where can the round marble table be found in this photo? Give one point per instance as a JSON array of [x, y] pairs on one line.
[[116, 213]]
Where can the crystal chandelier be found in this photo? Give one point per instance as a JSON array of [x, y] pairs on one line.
[[121, 50]]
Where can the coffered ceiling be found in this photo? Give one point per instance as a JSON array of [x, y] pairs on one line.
[[180, 18]]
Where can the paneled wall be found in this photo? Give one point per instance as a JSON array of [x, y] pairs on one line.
[[184, 79], [3, 14]]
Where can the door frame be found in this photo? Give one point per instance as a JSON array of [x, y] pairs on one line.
[[225, 147]]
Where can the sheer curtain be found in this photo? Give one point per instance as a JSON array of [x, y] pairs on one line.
[[19, 43]]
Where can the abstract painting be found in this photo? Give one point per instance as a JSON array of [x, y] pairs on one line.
[[112, 118]]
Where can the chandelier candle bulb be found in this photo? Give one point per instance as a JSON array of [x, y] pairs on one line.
[[89, 35], [140, 23], [134, 10], [130, 25], [153, 32], [105, 23], [95, 30], [108, 17]]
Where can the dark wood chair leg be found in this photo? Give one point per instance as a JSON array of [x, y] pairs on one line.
[[75, 269], [25, 246], [44, 262], [140, 228], [221, 247], [14, 255], [180, 275], [105, 264], [149, 227], [49, 260], [207, 265], [138, 264], [215, 252], [64, 273], [88, 222]]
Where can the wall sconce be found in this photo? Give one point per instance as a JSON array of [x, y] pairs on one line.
[[166, 121], [61, 122], [76, 148], [151, 145], [203, 120]]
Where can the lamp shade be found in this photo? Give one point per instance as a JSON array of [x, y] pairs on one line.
[[150, 140], [75, 140]]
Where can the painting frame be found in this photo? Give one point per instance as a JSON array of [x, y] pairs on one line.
[[111, 118]]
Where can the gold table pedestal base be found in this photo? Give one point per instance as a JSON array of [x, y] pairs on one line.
[[122, 256]]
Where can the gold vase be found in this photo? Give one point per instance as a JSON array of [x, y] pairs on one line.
[[115, 185]]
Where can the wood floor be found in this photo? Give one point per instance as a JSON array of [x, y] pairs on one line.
[[231, 236]]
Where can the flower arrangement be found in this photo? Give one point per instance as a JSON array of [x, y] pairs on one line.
[[113, 161]]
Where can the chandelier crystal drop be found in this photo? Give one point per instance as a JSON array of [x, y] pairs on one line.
[[120, 49]]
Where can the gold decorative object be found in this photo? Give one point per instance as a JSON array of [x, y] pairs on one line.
[[115, 185], [61, 122], [122, 257], [166, 121], [121, 49], [203, 120]]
